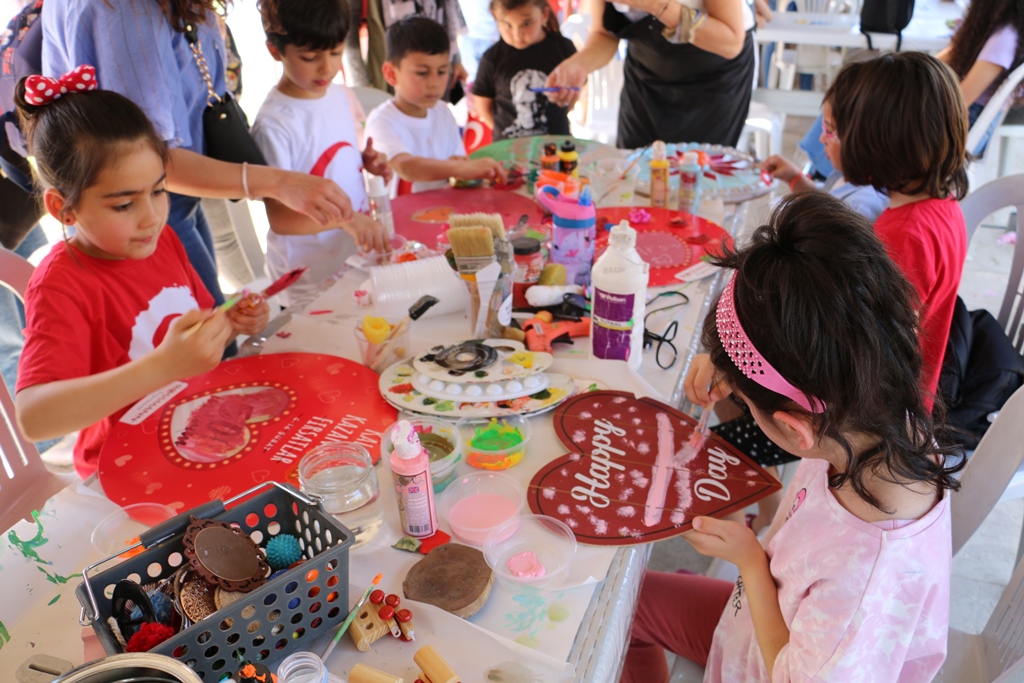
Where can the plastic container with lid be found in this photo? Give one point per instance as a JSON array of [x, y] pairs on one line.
[[529, 264]]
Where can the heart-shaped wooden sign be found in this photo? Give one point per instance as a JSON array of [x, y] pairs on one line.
[[248, 420], [630, 477]]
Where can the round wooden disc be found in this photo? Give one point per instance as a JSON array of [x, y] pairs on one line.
[[226, 554], [454, 577]]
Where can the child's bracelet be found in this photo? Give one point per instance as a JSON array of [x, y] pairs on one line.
[[245, 180], [792, 183]]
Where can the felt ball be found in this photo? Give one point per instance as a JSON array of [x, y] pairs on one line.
[[149, 636], [283, 550]]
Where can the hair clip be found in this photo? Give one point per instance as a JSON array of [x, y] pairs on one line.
[[40, 90]]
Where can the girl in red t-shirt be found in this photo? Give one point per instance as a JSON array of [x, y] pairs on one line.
[[116, 312]]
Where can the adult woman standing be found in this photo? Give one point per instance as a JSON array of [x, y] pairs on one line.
[[140, 50], [688, 73]]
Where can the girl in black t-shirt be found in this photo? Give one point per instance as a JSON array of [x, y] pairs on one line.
[[513, 69]]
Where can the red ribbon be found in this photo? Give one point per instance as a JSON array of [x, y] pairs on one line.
[[40, 90]]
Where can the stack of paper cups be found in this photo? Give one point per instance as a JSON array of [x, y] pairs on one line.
[[396, 287]]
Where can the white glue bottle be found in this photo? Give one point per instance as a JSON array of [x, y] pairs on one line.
[[380, 202], [620, 291], [410, 468]]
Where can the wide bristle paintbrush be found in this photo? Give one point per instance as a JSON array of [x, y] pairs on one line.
[[276, 287]]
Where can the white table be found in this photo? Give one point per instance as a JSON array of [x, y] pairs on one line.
[[927, 31]]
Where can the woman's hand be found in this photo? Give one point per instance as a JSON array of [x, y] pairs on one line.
[[730, 541], [188, 350], [570, 76], [700, 385], [319, 198], [250, 315], [376, 162], [780, 167]]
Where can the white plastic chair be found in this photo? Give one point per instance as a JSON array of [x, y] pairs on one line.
[[805, 59], [994, 112], [25, 483]]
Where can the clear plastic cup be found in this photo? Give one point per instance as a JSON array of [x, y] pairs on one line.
[[342, 477], [121, 529], [494, 443], [608, 185], [379, 357]]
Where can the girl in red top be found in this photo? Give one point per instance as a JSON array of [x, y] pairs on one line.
[[117, 311], [902, 121]]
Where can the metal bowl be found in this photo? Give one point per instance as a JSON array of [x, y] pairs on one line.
[[134, 667]]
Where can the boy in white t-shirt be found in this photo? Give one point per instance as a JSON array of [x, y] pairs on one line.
[[309, 123], [416, 129]]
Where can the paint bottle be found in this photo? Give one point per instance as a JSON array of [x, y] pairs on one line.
[[659, 175], [380, 203], [529, 264], [689, 180], [550, 159], [410, 468], [568, 159], [620, 287]]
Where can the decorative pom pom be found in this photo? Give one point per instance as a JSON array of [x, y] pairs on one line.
[[149, 636], [283, 550]]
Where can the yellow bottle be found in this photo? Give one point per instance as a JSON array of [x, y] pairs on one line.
[[659, 175], [568, 159]]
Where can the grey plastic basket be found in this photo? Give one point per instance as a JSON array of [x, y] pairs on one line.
[[269, 623]]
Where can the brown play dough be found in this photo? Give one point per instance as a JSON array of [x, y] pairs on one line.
[[453, 577]]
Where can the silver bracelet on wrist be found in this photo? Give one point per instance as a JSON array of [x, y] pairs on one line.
[[245, 180]]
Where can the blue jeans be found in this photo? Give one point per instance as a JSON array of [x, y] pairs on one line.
[[190, 224], [12, 322], [973, 112]]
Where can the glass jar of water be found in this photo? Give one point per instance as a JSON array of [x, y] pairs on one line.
[[342, 477]]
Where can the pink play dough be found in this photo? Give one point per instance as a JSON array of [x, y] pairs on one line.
[[525, 565], [473, 517]]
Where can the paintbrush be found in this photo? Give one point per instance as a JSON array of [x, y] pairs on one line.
[[639, 156], [348, 620], [276, 287]]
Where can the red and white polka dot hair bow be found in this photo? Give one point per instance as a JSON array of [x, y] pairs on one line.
[[40, 90]]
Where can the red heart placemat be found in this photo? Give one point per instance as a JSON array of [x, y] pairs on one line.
[[247, 421], [421, 216], [606, 490], [670, 241]]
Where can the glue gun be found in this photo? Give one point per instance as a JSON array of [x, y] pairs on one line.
[[542, 332]]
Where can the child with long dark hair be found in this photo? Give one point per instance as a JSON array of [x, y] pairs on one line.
[[851, 581], [116, 311], [513, 69]]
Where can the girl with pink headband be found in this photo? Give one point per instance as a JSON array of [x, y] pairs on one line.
[[816, 332]]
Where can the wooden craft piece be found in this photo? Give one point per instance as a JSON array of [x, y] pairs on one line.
[[197, 600], [454, 577], [624, 482], [360, 673], [368, 627], [248, 421], [434, 667], [224, 556], [669, 242]]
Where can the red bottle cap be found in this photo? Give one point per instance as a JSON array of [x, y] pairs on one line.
[[377, 597], [393, 600], [404, 616], [386, 612]]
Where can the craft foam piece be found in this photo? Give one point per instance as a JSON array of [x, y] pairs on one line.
[[669, 242], [626, 480], [248, 421]]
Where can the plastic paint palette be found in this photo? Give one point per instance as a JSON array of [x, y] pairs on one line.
[[474, 392]]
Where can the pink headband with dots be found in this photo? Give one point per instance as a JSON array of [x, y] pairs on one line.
[[40, 90], [747, 358]]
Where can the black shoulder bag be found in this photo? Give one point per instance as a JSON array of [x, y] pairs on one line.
[[225, 128]]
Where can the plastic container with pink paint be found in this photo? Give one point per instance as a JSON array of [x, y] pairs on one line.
[[531, 542], [476, 503]]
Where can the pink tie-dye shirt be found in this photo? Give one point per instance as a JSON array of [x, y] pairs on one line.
[[863, 602]]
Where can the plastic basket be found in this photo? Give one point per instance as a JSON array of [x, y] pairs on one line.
[[269, 623]]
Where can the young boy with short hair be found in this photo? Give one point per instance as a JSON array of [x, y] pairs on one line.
[[416, 129], [309, 123]]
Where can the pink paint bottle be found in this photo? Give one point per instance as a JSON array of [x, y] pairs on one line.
[[410, 468]]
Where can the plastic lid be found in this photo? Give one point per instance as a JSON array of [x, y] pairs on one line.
[[375, 185], [658, 150], [568, 146], [522, 246], [623, 236], [691, 159], [406, 440]]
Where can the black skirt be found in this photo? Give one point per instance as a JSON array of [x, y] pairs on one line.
[[678, 93]]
